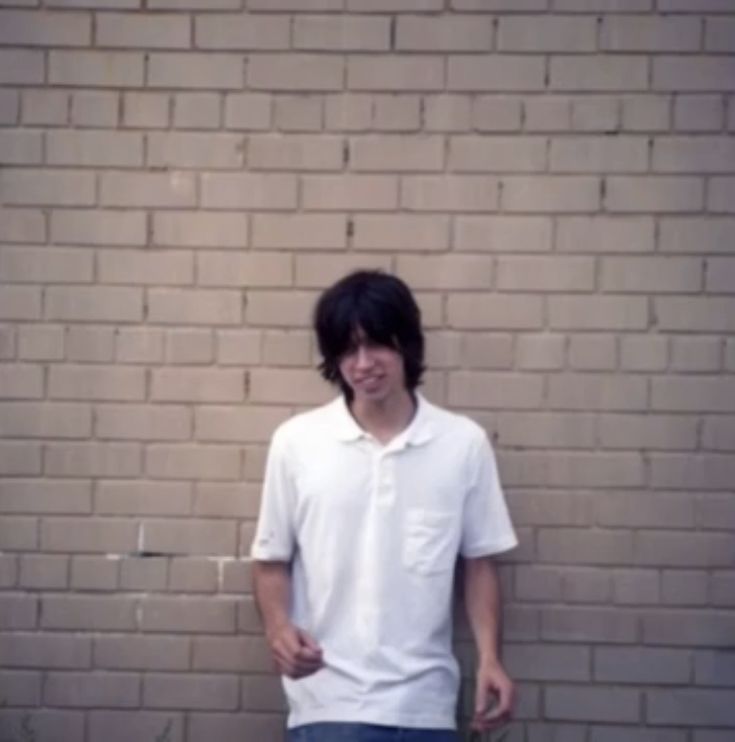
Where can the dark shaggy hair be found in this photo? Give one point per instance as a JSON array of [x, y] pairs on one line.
[[384, 308]]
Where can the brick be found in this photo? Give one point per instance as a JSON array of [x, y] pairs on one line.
[[141, 652], [143, 573], [94, 573], [89, 612], [720, 194], [28, 264], [142, 498], [99, 304], [683, 549], [22, 225], [294, 72], [299, 113], [210, 71], [688, 628], [228, 727], [9, 106], [589, 624], [145, 110], [595, 113], [239, 347], [17, 534], [241, 32], [480, 311], [696, 354], [396, 112], [537, 583], [693, 154], [544, 33], [497, 154], [299, 231], [190, 691], [609, 74], [198, 385], [8, 343], [488, 113], [21, 381], [20, 302], [85, 382], [502, 234], [195, 306], [636, 586], [131, 30], [450, 272], [195, 150], [605, 234], [379, 6], [245, 654], [401, 232], [540, 352], [190, 615], [96, 68], [715, 511], [139, 345], [572, 546], [218, 500], [550, 194], [145, 267], [507, 72], [24, 420], [98, 227], [598, 154], [397, 153], [592, 704], [19, 611], [248, 111], [47, 187], [82, 535], [118, 726], [719, 34], [714, 668], [189, 346], [349, 192], [480, 350], [21, 67], [107, 4], [348, 112], [652, 34], [311, 271], [39, 650], [94, 108], [395, 73], [646, 113], [249, 191], [237, 578], [18, 147], [196, 537], [538, 662], [39, 496], [263, 694], [294, 152], [541, 430], [150, 189], [544, 274], [142, 422], [279, 309], [583, 585], [603, 6], [681, 587], [693, 394], [634, 274], [699, 112], [195, 4], [709, 472], [236, 270], [547, 113], [341, 33], [92, 689], [21, 688], [288, 386], [598, 313], [598, 392], [443, 34], [476, 388], [443, 350], [592, 352], [718, 433], [43, 571], [200, 229], [710, 707], [695, 313], [649, 431], [699, 74], [193, 575], [197, 111], [449, 193], [289, 348]]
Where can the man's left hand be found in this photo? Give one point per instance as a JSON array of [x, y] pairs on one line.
[[492, 683]]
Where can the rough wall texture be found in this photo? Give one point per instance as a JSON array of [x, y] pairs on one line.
[[555, 178]]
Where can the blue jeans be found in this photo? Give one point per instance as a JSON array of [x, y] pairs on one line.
[[342, 732]]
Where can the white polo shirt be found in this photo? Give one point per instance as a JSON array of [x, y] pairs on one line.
[[374, 532]]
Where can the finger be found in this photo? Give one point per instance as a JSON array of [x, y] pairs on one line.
[[481, 699], [309, 644]]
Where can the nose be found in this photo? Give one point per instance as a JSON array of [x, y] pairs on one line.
[[364, 358]]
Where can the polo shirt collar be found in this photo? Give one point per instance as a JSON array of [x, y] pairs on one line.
[[419, 431]]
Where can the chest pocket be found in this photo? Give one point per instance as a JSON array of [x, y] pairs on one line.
[[430, 541]]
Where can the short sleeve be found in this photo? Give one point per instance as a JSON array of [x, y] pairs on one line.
[[486, 526], [274, 535]]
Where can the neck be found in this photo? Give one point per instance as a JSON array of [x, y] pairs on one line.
[[386, 418]]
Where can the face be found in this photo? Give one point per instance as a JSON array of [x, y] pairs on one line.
[[374, 372]]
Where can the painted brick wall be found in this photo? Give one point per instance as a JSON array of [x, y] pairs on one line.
[[180, 178]]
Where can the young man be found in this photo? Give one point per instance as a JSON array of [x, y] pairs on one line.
[[367, 503]]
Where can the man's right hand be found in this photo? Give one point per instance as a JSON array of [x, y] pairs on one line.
[[296, 653]]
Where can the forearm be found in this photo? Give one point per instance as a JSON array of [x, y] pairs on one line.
[[484, 607], [272, 588]]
